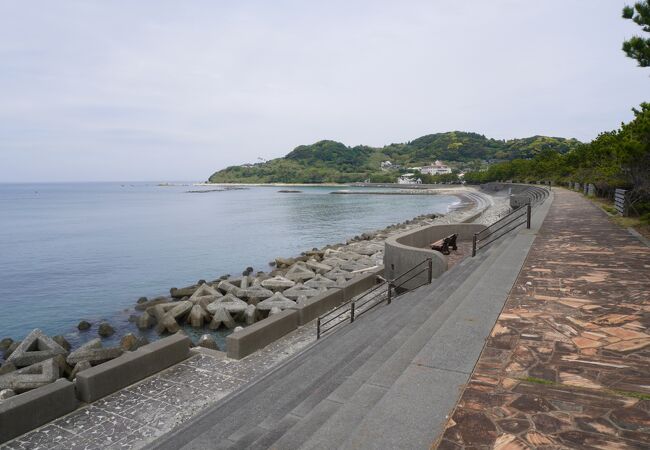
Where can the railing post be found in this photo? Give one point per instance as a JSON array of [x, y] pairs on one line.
[[430, 274], [390, 294], [318, 329], [352, 312], [474, 245], [528, 216]]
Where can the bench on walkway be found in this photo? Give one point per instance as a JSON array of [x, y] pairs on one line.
[[443, 245]]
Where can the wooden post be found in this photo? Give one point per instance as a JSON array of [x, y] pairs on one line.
[[318, 329], [528, 209], [390, 288], [352, 312], [474, 245], [430, 274]]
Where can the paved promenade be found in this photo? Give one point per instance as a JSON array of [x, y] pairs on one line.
[[567, 364]]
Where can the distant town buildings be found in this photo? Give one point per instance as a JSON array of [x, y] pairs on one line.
[[408, 178], [437, 168], [387, 165]]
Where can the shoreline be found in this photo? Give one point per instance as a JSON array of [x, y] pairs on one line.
[[355, 184], [375, 239]]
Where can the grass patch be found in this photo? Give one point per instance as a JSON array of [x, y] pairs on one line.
[[616, 392], [537, 380], [637, 223], [639, 395]]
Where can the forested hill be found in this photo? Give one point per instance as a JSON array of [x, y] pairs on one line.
[[330, 161]]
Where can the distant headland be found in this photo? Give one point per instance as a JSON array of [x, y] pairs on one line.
[[333, 162]]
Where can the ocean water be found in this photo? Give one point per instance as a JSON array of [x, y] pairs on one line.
[[89, 250]]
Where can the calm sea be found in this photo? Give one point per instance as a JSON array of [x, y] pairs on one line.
[[89, 250]]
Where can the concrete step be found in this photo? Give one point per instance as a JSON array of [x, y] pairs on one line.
[[353, 388], [336, 348], [340, 425], [347, 392], [281, 390], [427, 388], [388, 334], [313, 380]]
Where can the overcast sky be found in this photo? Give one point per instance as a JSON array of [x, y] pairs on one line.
[[174, 90]]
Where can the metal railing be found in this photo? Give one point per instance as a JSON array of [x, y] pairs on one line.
[[502, 227], [386, 290]]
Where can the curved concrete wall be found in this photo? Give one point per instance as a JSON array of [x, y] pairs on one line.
[[520, 194], [410, 248], [254, 337]]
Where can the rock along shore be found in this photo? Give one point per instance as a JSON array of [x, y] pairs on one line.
[[227, 302]]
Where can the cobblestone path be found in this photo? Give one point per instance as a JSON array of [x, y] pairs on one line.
[[567, 364]]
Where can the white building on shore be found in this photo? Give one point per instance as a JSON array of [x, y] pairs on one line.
[[437, 168]]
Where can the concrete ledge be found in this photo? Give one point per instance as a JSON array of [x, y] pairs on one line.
[[34, 408], [217, 354], [320, 304], [260, 334], [408, 249], [131, 367], [252, 338], [520, 194]]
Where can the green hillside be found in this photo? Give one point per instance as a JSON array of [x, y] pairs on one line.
[[330, 161]]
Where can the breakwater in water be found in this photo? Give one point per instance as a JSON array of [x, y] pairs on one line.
[[88, 251]]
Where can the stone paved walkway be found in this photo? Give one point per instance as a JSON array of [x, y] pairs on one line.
[[138, 414], [568, 361]]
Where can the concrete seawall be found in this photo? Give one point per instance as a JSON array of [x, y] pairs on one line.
[[257, 336], [408, 249]]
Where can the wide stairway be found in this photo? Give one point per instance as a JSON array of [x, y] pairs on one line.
[[385, 381]]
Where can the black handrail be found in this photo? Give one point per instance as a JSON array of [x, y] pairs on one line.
[[353, 307], [515, 211], [480, 242], [511, 218], [483, 245]]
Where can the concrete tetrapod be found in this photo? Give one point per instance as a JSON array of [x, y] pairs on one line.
[[151, 303], [204, 290], [93, 352], [6, 393], [319, 282], [222, 317], [146, 321], [336, 273], [278, 283], [278, 300], [169, 321], [367, 249], [79, 367], [197, 316], [36, 347], [318, 267], [167, 324], [256, 293], [159, 311], [333, 261], [299, 272], [348, 256], [300, 290], [231, 303], [356, 265], [229, 288], [31, 377], [250, 314]]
